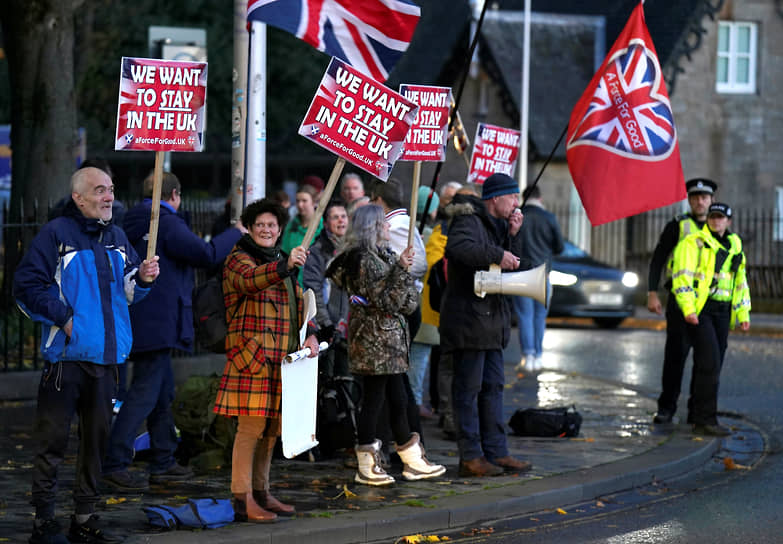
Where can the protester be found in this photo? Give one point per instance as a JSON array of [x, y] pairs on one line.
[[711, 289], [541, 239], [316, 183], [382, 292], [306, 199], [117, 207], [77, 279], [331, 301], [475, 330], [161, 323], [389, 196], [265, 303], [351, 187], [700, 195], [427, 335]]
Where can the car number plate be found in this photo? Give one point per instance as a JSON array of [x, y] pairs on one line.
[[606, 298]]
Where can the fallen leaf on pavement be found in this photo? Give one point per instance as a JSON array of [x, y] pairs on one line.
[[119, 500], [561, 512]]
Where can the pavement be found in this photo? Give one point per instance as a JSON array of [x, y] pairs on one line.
[[617, 449]]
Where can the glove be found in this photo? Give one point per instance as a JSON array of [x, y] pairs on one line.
[[342, 328], [325, 334]]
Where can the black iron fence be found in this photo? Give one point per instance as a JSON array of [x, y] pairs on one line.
[[625, 244]]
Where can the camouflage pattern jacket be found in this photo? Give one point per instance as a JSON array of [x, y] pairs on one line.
[[382, 294]]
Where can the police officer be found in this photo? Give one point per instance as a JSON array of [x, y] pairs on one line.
[[711, 289], [700, 195]]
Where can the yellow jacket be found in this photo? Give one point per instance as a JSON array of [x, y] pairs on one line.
[[436, 248], [694, 271]]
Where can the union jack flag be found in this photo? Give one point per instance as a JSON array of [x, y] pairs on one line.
[[643, 123], [622, 148], [370, 35]]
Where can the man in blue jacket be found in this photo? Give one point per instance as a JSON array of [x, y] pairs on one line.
[[77, 279], [164, 321]]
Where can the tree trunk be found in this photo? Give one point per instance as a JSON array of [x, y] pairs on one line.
[[39, 44]]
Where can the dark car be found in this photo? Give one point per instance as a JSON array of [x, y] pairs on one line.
[[584, 287]]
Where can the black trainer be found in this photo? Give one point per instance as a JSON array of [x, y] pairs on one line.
[[125, 480], [663, 416], [48, 531], [175, 473], [89, 532]]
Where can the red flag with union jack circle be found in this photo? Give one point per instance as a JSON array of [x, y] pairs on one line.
[[622, 147]]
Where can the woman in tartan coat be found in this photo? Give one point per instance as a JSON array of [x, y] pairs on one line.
[[264, 311]]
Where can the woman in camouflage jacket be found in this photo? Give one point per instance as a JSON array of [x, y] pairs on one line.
[[382, 293]]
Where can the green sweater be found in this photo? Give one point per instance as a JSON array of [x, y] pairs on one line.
[[293, 235]]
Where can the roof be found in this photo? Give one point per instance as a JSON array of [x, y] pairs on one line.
[[565, 52]]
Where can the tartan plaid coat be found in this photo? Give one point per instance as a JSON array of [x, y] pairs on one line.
[[258, 334]]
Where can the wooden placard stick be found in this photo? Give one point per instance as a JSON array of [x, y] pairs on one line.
[[155, 211], [325, 197], [414, 200]]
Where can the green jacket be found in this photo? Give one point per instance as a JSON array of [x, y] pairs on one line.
[[293, 235]]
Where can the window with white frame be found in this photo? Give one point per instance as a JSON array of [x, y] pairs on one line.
[[736, 70]]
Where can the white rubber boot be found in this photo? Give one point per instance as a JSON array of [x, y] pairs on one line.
[[370, 471], [416, 465]]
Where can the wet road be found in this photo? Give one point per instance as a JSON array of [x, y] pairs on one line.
[[709, 505]]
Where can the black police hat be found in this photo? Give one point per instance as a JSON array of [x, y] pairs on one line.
[[701, 185], [721, 208]]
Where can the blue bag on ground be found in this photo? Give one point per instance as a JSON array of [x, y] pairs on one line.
[[206, 513]]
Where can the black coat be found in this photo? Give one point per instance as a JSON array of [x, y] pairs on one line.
[[476, 240]]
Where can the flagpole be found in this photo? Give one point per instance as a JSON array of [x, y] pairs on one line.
[[239, 109], [255, 161], [453, 114], [523, 117]]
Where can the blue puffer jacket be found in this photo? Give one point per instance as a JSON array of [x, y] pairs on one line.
[[81, 268], [165, 318]]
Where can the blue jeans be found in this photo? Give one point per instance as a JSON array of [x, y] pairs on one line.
[[149, 398], [478, 404], [531, 317], [419, 363]]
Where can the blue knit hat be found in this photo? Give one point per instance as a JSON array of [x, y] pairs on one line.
[[498, 185], [424, 194]]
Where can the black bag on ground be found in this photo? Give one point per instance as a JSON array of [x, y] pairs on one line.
[[563, 421]]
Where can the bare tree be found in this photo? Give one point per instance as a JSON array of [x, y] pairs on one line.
[[39, 45]]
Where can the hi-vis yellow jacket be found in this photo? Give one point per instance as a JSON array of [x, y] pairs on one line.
[[694, 272]]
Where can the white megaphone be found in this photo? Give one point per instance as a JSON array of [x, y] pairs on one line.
[[528, 283]]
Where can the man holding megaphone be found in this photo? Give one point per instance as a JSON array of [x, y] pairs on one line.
[[473, 329]]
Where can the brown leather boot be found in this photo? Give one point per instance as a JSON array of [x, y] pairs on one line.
[[268, 502], [247, 509], [478, 468], [511, 464]]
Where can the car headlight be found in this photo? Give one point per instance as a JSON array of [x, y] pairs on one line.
[[560, 278], [630, 279]]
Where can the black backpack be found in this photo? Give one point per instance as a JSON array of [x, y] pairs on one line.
[[563, 421], [209, 315]]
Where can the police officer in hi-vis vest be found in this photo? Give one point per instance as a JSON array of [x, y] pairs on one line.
[[700, 194], [711, 289]]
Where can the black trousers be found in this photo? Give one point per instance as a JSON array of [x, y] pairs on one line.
[[377, 389], [678, 345], [66, 389], [709, 339]]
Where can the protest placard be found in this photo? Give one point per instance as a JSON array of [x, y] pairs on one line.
[[427, 138], [495, 150], [359, 119], [161, 105]]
